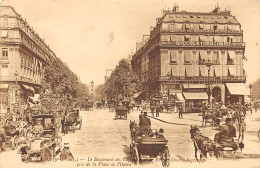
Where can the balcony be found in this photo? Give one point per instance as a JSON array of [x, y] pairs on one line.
[[19, 41], [203, 79], [19, 79], [203, 31], [213, 62], [169, 44]]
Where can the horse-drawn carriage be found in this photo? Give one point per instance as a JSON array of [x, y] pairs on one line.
[[121, 113], [43, 145], [208, 117], [148, 145], [217, 149], [9, 137], [72, 121]]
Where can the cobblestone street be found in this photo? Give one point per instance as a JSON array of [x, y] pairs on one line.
[[103, 137]]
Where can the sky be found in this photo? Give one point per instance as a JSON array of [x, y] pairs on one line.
[[93, 35]]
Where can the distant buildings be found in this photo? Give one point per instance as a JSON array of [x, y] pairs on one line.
[[182, 47], [24, 55]]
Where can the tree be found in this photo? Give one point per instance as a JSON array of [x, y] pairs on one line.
[[123, 82], [256, 88], [62, 81]]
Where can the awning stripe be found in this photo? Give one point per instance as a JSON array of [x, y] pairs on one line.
[[195, 96], [194, 86], [238, 89]]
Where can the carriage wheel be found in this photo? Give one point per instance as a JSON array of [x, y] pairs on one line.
[[28, 133], [165, 157], [15, 139], [135, 156]]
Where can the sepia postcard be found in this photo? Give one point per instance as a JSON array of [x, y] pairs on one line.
[[129, 84]]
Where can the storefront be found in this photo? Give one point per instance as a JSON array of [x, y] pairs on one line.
[[236, 92], [3, 98], [194, 100]]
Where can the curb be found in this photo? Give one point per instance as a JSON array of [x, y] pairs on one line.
[[168, 122]]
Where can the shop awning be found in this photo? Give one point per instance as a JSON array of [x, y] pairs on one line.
[[4, 86], [175, 70], [188, 55], [203, 71], [232, 54], [180, 97], [188, 70], [137, 94], [28, 88], [194, 86], [238, 89], [203, 54], [232, 71], [173, 55], [195, 95], [217, 71], [4, 34]]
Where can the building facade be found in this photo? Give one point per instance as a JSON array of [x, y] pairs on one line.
[[24, 56], [190, 55]]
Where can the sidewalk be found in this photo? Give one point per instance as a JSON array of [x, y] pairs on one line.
[[172, 118]]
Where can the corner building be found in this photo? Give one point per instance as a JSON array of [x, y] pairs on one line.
[[175, 54], [24, 56]]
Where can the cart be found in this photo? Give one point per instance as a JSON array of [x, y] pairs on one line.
[[121, 113], [148, 146], [45, 147]]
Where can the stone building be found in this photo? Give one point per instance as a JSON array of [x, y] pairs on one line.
[[24, 55], [191, 55]]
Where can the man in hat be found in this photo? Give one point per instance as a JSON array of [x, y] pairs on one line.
[[145, 123], [242, 129], [9, 115], [180, 111], [38, 128], [66, 154], [226, 134]]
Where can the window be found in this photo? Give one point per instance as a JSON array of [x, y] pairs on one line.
[[4, 66], [187, 27], [4, 53], [186, 38], [215, 27]]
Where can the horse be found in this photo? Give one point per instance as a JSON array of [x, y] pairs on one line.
[[203, 144], [133, 129], [205, 117]]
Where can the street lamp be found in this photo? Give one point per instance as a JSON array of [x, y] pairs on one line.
[[250, 86], [169, 77], [92, 84], [208, 64], [16, 86]]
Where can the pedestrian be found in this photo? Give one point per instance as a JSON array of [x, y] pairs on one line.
[[65, 154], [152, 109], [180, 111], [241, 129], [157, 110]]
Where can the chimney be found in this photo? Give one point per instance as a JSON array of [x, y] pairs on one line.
[[175, 8]]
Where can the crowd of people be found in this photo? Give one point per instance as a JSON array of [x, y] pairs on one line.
[[21, 125]]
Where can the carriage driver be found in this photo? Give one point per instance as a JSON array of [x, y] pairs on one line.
[[144, 123], [226, 134], [38, 129]]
